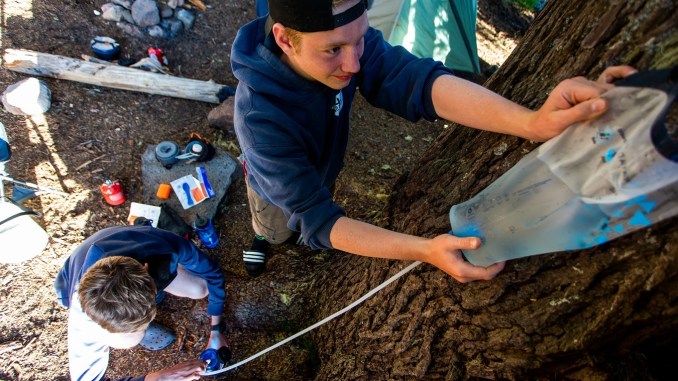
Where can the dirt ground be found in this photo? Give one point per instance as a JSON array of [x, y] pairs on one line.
[[92, 133]]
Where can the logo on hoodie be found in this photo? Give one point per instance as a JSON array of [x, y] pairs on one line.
[[338, 103]]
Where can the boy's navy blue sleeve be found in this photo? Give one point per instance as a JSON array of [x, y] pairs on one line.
[[198, 264], [396, 80]]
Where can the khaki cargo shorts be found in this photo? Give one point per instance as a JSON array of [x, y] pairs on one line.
[[268, 220]]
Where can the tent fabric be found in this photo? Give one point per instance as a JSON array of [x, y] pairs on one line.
[[383, 14], [444, 30], [441, 29]]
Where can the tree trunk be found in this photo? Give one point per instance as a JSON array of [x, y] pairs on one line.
[[566, 313]]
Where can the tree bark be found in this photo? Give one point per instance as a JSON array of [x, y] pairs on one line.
[[556, 314]]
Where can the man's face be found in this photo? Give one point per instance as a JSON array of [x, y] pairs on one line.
[[125, 340], [331, 57]]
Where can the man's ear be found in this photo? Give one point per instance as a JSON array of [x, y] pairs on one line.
[[281, 39]]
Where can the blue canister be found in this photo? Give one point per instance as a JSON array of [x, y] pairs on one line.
[[208, 236], [105, 48], [216, 359]]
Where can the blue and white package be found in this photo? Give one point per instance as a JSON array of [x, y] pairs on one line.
[[202, 177]]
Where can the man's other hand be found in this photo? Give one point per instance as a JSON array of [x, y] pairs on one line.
[[574, 100], [185, 371], [447, 257]]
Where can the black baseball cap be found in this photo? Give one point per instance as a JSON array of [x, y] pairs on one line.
[[312, 15]]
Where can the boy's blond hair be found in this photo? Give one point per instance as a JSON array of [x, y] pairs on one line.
[[118, 294]]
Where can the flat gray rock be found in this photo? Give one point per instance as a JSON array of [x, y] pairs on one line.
[[221, 171]]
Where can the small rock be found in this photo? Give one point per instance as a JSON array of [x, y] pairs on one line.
[[157, 31], [130, 29], [186, 17], [175, 3], [165, 11], [124, 3], [145, 13], [30, 96], [113, 13], [174, 26], [106, 7], [127, 16], [221, 117]]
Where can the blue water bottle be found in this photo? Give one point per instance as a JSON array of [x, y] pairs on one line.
[[216, 359], [208, 236]]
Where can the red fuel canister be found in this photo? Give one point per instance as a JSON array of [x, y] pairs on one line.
[[112, 191]]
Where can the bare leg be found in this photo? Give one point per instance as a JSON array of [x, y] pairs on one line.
[[187, 285]]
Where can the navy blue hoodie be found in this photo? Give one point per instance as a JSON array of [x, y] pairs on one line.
[[293, 132], [157, 247], [162, 250]]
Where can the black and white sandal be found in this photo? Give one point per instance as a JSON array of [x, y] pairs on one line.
[[255, 258], [255, 262]]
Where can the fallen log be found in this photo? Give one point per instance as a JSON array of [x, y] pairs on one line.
[[114, 76]]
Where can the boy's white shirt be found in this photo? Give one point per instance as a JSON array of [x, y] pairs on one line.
[[87, 349]]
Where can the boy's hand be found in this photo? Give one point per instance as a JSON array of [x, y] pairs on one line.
[[447, 257], [574, 100], [185, 371], [216, 341]]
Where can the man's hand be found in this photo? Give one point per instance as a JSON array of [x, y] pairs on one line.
[[185, 371], [446, 256], [574, 100], [613, 73], [442, 251]]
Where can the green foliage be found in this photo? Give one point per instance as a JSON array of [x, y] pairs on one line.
[[528, 4]]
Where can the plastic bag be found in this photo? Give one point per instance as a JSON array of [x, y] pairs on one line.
[[595, 182]]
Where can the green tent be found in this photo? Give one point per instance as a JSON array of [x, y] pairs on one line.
[[442, 30]]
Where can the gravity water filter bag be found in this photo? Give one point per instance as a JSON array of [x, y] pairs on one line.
[[595, 182]]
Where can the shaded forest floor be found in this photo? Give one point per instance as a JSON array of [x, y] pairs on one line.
[[93, 133]]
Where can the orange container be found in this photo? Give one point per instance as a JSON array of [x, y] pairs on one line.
[[164, 191]]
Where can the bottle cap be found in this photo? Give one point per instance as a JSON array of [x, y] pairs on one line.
[[196, 148], [200, 221]]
